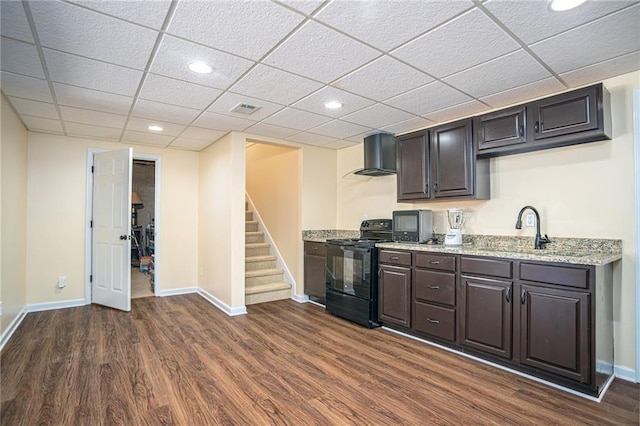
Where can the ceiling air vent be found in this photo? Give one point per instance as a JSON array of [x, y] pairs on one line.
[[245, 109]]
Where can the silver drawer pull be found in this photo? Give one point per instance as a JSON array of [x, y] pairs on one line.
[[434, 262], [394, 258], [433, 287], [433, 321]]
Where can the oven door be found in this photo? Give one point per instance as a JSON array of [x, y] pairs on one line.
[[349, 269]]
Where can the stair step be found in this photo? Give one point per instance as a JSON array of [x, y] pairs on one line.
[[267, 293], [253, 237], [256, 249], [262, 276], [255, 263], [263, 288], [248, 216], [250, 226]]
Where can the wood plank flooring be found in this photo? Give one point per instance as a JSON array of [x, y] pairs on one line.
[[179, 360]]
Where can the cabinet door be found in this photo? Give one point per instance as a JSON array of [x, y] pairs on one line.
[[452, 160], [555, 331], [485, 315], [501, 129], [315, 264], [567, 114], [413, 167], [394, 296]]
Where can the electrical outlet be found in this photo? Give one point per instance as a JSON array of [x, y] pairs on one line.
[[0, 309], [201, 271], [530, 221], [62, 282]]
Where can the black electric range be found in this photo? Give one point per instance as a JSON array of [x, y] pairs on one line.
[[352, 273]]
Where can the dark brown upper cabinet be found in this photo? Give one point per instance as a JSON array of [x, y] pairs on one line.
[[579, 116], [441, 164]]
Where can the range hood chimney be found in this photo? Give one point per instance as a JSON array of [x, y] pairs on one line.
[[379, 155]]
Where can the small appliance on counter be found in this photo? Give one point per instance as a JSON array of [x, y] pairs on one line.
[[456, 219], [412, 226]]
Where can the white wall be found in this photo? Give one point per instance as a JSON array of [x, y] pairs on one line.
[[56, 216], [13, 212], [581, 191]]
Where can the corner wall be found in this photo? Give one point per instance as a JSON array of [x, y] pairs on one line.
[[13, 215]]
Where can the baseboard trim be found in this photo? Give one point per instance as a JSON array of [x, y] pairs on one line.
[[625, 373], [239, 310], [13, 326], [47, 306], [177, 291], [300, 298]]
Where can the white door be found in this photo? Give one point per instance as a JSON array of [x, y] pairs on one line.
[[111, 244]]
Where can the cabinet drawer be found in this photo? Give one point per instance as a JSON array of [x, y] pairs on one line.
[[432, 286], [554, 274], [436, 261], [317, 249], [483, 266], [395, 257], [436, 321]]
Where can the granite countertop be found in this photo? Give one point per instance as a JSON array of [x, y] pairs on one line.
[[579, 251]]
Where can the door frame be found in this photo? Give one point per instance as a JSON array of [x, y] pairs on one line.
[[89, 214], [636, 168]]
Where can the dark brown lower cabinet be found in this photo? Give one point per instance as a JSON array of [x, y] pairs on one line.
[[394, 295], [485, 315], [554, 331], [315, 265]]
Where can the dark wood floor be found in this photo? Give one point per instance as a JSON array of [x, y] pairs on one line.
[[179, 360]]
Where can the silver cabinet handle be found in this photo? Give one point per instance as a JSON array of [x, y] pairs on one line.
[[433, 287], [434, 262], [394, 258], [432, 321]]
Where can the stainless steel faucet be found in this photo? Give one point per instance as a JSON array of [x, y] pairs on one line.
[[540, 241]]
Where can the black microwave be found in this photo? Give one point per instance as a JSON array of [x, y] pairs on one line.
[[412, 226]]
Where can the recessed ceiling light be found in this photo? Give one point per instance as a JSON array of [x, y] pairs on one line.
[[200, 67], [155, 128], [562, 5], [332, 105]]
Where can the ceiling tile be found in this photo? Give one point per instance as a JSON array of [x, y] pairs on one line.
[[339, 144], [273, 85], [387, 24], [603, 70], [83, 72], [34, 108], [92, 131], [148, 13], [338, 129], [20, 58], [85, 116], [509, 71], [142, 125], [517, 16], [606, 38], [463, 110], [215, 121], [42, 124], [408, 125], [92, 99], [304, 6], [76, 30], [473, 37], [296, 119], [359, 138], [176, 92], [164, 112], [524, 93], [145, 138], [13, 21], [315, 102], [249, 29], [25, 87], [432, 97], [377, 116], [383, 78], [226, 102], [202, 134], [310, 139], [174, 56], [189, 144], [277, 132], [308, 51]]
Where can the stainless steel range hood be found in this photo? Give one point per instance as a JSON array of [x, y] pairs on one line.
[[379, 155]]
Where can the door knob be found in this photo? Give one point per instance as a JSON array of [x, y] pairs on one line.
[[123, 237]]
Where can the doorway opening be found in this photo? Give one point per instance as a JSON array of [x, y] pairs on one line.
[[143, 215]]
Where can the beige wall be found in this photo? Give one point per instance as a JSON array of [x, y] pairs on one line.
[[581, 191], [221, 220], [274, 187], [13, 213], [57, 186]]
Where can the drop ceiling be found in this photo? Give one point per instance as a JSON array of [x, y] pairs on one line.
[[109, 69]]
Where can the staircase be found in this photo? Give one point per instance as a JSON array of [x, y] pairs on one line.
[[263, 281]]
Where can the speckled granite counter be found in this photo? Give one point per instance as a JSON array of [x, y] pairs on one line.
[[322, 235], [581, 251]]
